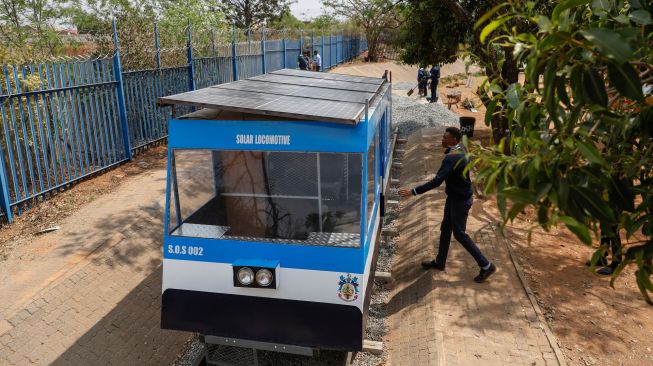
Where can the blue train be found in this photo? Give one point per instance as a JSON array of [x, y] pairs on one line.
[[273, 212]]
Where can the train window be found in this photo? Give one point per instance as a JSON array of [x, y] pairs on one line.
[[281, 197]]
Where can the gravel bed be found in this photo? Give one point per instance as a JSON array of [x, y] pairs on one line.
[[403, 86], [409, 115]]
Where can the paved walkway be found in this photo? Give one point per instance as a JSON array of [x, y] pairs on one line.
[[444, 318], [89, 294]]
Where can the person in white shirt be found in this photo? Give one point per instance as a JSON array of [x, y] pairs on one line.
[[317, 61]]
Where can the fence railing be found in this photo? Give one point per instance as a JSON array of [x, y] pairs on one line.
[[63, 121]]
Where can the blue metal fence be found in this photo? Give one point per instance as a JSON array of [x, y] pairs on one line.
[[63, 121]]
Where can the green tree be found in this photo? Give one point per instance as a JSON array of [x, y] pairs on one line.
[[286, 21], [374, 16], [433, 31], [27, 28], [581, 125], [251, 13]]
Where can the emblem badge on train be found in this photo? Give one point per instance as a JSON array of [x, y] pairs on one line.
[[348, 288]]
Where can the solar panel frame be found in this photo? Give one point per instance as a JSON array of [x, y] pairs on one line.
[[329, 76], [304, 97]]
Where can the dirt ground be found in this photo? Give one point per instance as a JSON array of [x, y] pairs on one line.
[[49, 213], [594, 324]]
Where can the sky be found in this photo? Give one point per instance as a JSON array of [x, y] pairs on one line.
[[306, 9]]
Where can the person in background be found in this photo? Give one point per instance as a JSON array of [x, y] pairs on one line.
[[317, 61], [301, 62], [307, 58], [435, 79], [456, 208], [422, 81]]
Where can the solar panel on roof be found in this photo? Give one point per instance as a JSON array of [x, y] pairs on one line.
[[323, 75], [290, 94], [322, 83], [311, 92]]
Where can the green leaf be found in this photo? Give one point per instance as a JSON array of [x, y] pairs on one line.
[[641, 17], [543, 215], [490, 13], [622, 18], [610, 43], [544, 23], [513, 96], [589, 151], [490, 111], [550, 87], [621, 194], [565, 5], [542, 190], [492, 26], [601, 5], [642, 276], [562, 91], [577, 228], [594, 87], [626, 80], [576, 82], [591, 202], [519, 195], [597, 255]]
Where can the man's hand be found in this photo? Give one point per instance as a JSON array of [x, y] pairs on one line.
[[405, 192]]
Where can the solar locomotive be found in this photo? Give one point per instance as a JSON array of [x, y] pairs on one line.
[[275, 192]]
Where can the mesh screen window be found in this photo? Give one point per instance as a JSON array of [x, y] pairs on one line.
[[304, 198]]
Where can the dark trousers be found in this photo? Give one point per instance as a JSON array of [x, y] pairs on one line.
[[434, 95], [455, 220]]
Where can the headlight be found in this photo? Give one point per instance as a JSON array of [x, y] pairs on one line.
[[264, 277], [246, 276]]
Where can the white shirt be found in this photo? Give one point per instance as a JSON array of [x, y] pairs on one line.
[[317, 60]]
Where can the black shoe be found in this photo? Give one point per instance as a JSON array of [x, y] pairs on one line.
[[601, 262], [485, 273], [606, 271], [433, 264]]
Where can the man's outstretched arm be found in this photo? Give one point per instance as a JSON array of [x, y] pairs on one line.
[[445, 169]]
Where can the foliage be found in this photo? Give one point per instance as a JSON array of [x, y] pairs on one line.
[[581, 125], [252, 13], [26, 28], [374, 16], [430, 34], [286, 21]]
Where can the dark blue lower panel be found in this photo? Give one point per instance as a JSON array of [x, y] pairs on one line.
[[292, 322]]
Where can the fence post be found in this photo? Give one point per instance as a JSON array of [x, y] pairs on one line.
[[265, 68], [283, 44], [213, 42], [330, 49], [122, 111], [322, 46], [301, 42], [234, 62], [191, 66], [157, 50], [312, 43], [5, 203]]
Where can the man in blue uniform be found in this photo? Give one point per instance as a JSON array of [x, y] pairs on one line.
[[456, 208], [435, 79]]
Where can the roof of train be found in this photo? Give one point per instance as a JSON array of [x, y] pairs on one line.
[[290, 93]]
